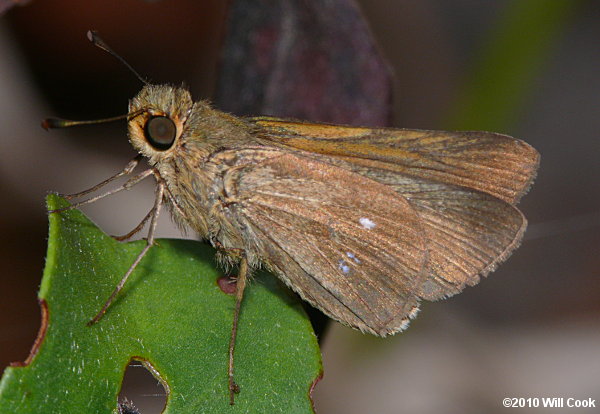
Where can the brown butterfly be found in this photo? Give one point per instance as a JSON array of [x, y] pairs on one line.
[[363, 223]]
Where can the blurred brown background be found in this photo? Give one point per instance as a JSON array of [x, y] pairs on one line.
[[531, 330]]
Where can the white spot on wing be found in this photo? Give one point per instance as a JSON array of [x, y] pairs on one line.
[[343, 267], [366, 223], [353, 257]]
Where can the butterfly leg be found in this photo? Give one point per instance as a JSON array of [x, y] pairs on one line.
[[239, 295], [136, 229], [142, 223], [128, 184], [160, 191], [126, 171]]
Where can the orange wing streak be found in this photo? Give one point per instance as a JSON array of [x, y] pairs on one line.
[[496, 164]]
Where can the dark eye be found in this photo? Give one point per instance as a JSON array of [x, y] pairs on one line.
[[160, 132]]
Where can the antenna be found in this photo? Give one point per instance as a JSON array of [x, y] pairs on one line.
[[95, 38], [52, 123]]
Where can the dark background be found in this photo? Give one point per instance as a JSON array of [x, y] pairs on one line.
[[530, 330]]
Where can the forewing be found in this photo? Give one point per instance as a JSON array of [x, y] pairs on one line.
[[499, 165], [350, 246]]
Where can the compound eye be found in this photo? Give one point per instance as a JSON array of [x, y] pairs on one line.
[[160, 132]]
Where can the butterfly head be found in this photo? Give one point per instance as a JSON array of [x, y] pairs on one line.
[[157, 118]]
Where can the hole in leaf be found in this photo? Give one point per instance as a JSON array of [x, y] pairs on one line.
[[142, 388], [41, 335]]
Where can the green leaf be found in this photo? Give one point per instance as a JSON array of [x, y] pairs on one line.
[[172, 314]]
